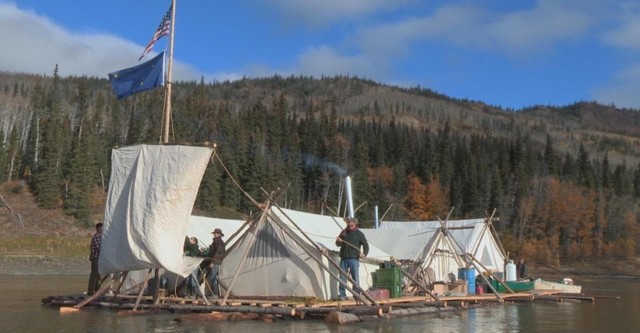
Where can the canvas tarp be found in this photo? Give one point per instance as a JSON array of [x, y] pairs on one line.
[[472, 234], [271, 260], [199, 227], [202, 228], [425, 249], [152, 189]]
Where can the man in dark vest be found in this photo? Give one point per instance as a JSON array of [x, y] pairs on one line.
[[216, 254], [350, 240]]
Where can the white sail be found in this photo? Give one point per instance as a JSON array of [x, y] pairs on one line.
[[151, 195]]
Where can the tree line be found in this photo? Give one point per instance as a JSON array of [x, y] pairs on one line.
[[295, 133]]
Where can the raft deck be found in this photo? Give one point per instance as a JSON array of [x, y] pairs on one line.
[[270, 309]]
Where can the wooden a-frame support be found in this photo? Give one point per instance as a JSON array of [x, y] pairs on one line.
[[467, 256]]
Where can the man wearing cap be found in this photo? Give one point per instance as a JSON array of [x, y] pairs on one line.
[[350, 240], [216, 254]]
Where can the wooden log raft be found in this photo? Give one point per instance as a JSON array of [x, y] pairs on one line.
[[273, 310], [379, 311], [337, 317], [395, 313], [283, 311]]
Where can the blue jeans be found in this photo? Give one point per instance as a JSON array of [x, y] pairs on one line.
[[213, 279], [192, 282], [350, 266]]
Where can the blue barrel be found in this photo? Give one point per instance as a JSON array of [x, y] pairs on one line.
[[471, 280], [468, 274]]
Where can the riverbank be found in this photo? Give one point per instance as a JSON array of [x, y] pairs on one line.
[[34, 264], [42, 264]]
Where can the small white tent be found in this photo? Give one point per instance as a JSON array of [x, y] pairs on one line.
[[474, 235], [428, 250]]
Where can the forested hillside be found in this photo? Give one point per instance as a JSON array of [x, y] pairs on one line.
[[565, 181]]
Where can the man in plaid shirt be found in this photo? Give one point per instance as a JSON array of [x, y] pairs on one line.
[[94, 277]]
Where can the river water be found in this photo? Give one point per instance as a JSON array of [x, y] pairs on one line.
[[21, 310]]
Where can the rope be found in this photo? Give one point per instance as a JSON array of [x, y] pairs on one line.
[[215, 153]]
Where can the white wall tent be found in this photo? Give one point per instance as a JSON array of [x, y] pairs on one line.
[[425, 249], [474, 235], [280, 256]]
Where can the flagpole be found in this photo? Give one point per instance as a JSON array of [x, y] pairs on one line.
[[167, 102]]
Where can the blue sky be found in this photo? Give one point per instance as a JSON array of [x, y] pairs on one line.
[[506, 53]]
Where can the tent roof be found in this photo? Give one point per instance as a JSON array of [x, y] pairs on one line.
[[322, 229]]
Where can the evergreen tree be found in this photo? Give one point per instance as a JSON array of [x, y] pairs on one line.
[[208, 199], [48, 177]]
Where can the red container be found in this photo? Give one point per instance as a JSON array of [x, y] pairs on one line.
[[479, 290], [378, 294]]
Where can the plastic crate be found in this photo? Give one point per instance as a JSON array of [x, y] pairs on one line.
[[387, 276], [395, 289]]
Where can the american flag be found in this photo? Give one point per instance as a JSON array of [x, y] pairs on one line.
[[163, 30]]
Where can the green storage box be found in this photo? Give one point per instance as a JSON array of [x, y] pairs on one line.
[[395, 289], [387, 276]]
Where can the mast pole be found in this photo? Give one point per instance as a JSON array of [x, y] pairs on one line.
[[167, 102]]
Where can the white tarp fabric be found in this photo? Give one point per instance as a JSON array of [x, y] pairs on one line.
[[472, 234], [272, 261], [151, 194], [426, 248], [202, 227]]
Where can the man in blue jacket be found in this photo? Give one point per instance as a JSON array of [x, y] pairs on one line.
[[350, 240]]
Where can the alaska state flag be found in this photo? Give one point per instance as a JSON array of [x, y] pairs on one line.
[[133, 80]]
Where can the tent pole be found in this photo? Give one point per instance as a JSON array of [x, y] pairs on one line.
[[493, 231], [420, 285], [493, 276], [443, 225], [265, 206], [121, 282], [313, 255], [244, 257], [99, 293], [469, 259], [146, 279]]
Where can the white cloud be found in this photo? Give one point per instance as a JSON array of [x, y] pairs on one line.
[[475, 28], [37, 45], [623, 91], [534, 29], [323, 12], [626, 37]]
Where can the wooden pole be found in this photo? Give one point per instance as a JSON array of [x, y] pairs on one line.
[[319, 261], [146, 279], [493, 276], [459, 248], [420, 285], [167, 101], [244, 257], [100, 292], [121, 283]]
